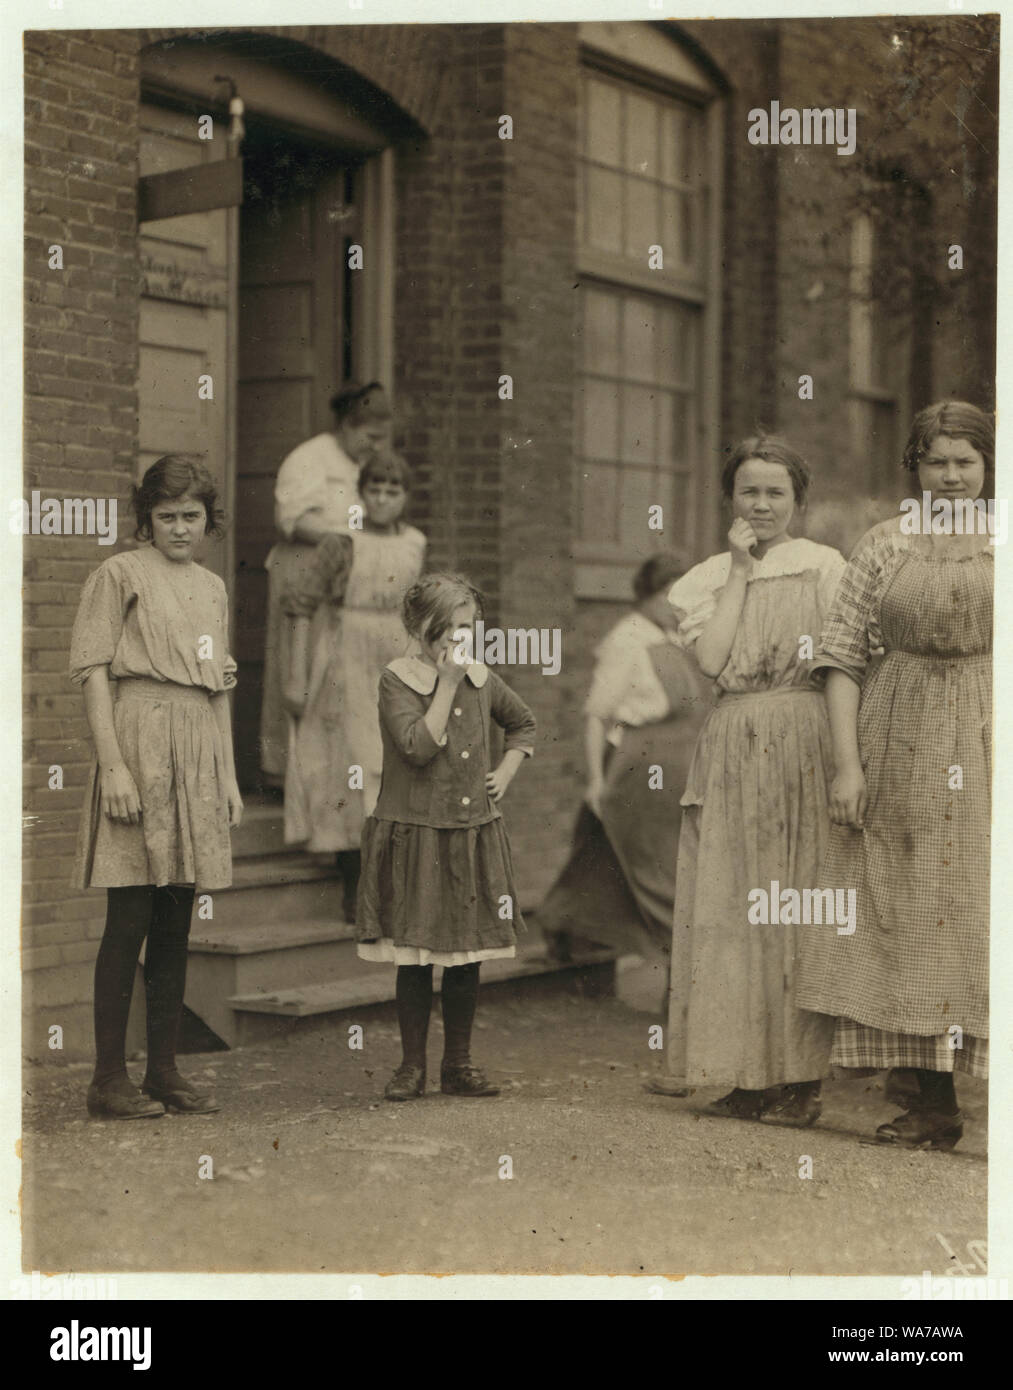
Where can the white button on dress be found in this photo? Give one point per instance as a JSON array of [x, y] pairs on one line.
[[458, 713], [465, 800], [465, 754]]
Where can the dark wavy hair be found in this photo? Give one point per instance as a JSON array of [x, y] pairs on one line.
[[428, 607], [385, 468], [956, 420], [659, 571], [171, 477], [772, 449], [355, 404]]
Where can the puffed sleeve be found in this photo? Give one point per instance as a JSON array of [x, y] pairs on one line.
[[610, 680], [512, 715], [850, 628], [301, 487], [832, 567], [405, 722], [695, 596], [322, 578], [99, 622]]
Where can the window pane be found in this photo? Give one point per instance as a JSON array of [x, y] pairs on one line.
[[639, 491], [640, 338], [642, 225], [601, 332], [687, 329], [642, 135], [598, 503], [679, 513], [602, 126], [603, 214], [671, 141], [601, 421], [638, 427]]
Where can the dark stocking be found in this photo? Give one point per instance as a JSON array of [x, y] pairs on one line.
[[460, 998], [414, 1005], [165, 977], [349, 861], [129, 913], [937, 1091]]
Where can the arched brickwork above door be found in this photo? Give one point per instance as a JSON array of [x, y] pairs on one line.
[[394, 68]]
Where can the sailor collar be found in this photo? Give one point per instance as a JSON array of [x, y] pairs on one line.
[[419, 676]]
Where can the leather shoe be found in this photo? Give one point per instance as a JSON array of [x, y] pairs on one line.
[[178, 1094], [108, 1104], [923, 1129], [407, 1083], [462, 1079]]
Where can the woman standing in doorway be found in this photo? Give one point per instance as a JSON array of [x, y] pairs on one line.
[[316, 485]]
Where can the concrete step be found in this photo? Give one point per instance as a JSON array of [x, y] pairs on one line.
[[262, 830], [262, 1014], [287, 888], [255, 957]]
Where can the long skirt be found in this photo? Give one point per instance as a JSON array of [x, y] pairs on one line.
[[618, 885], [755, 812]]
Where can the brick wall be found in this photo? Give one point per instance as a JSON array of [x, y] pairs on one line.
[[80, 440]]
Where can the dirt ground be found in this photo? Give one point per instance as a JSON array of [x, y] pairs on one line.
[[314, 1172]]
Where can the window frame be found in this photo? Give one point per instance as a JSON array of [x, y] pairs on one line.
[[603, 571]]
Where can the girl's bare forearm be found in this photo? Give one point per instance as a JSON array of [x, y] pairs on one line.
[[714, 645], [98, 707], [843, 695]]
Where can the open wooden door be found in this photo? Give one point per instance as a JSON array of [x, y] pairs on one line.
[[294, 350], [184, 318]]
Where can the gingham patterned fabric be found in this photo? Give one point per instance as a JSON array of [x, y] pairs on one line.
[[873, 1049], [918, 959]]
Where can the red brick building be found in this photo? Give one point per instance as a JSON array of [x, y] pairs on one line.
[[533, 257]]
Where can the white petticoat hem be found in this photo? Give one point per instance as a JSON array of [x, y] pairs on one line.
[[385, 950]]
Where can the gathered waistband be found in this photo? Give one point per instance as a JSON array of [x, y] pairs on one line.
[[146, 688], [779, 690], [939, 659]]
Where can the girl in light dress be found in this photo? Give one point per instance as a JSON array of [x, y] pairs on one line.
[[910, 985], [755, 807], [150, 649], [437, 880], [355, 585], [315, 488]]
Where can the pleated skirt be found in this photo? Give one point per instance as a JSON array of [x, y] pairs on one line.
[[444, 897], [170, 741]]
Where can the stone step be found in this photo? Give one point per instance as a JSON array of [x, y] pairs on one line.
[[251, 957], [263, 1014], [279, 889], [262, 831]]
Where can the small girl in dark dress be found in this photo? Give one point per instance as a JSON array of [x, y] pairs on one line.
[[437, 884]]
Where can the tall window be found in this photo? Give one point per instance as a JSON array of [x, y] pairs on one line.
[[879, 360], [645, 326]]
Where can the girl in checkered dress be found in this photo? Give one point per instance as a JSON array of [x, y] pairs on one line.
[[911, 797]]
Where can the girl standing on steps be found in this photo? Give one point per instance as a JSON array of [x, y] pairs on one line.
[[153, 627], [437, 883], [330, 691]]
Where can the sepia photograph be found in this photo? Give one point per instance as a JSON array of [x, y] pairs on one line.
[[507, 528]]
